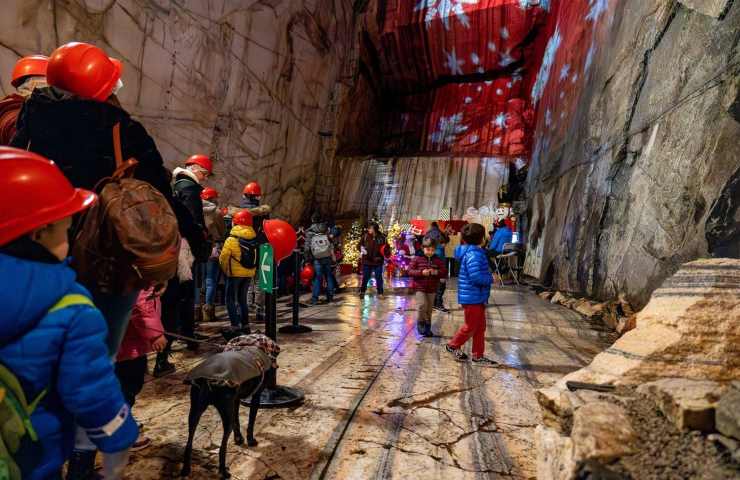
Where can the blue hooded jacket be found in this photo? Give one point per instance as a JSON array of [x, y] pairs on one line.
[[65, 354], [474, 283], [502, 236]]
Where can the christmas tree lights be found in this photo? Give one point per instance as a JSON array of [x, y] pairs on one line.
[[351, 246]]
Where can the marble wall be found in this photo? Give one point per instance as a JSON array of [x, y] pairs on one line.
[[251, 82], [399, 189], [624, 191]]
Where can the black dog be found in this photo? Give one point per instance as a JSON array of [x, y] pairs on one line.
[[226, 400], [223, 380]]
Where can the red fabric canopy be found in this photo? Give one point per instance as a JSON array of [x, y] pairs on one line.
[[459, 73]]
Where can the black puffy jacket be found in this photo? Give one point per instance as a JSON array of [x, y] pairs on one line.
[[78, 135]]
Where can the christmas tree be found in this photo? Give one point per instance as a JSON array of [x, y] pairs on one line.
[[351, 247]]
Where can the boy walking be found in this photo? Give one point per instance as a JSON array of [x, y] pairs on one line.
[[239, 263], [473, 290], [427, 271]]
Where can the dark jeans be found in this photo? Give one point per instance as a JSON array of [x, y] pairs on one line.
[[178, 303], [236, 300], [367, 271], [323, 270], [130, 375], [116, 310], [213, 272]]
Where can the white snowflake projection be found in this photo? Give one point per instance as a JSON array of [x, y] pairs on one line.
[[596, 9], [454, 63], [506, 59], [500, 120], [547, 62], [543, 4], [468, 99], [548, 117], [564, 71], [499, 91], [589, 57], [574, 78], [480, 70], [497, 141], [445, 9], [448, 130], [508, 84], [491, 46], [473, 138], [504, 33], [474, 58]]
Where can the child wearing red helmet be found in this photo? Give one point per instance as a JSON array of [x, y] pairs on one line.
[[238, 262], [52, 338]]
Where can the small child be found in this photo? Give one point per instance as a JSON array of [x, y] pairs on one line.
[[473, 290], [238, 262], [143, 335], [52, 338], [426, 271]]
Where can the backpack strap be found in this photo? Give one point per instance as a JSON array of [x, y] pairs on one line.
[[70, 300], [123, 169]]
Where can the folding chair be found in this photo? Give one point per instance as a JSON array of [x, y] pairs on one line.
[[493, 259], [510, 255]]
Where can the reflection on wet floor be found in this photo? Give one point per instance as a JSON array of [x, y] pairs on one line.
[[381, 402]]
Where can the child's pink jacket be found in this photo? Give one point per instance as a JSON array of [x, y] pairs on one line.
[[144, 327]]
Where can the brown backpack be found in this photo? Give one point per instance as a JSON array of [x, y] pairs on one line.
[[129, 239]]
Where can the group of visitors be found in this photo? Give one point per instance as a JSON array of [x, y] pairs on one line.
[[74, 336]]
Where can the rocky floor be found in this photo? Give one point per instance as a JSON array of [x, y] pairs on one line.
[[380, 402]]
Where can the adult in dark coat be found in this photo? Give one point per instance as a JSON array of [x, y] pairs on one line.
[[72, 121], [178, 302], [373, 246]]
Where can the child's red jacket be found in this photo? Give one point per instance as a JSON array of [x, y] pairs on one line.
[[423, 283]]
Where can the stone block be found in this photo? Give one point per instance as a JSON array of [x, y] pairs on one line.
[[554, 455], [712, 8], [689, 404], [559, 298], [728, 412], [545, 295], [602, 432], [588, 308]]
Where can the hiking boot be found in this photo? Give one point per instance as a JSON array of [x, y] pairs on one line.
[[197, 313], [140, 444], [427, 332], [421, 328], [460, 356], [209, 313], [313, 302], [485, 362], [82, 465], [441, 308], [162, 367]]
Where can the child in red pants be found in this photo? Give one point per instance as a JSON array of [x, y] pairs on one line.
[[473, 290]]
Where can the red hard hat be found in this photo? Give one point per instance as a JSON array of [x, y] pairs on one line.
[[84, 70], [35, 193], [243, 218], [33, 66], [208, 193], [201, 160], [252, 188]]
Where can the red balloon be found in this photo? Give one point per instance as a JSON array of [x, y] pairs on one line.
[[307, 273], [281, 236]]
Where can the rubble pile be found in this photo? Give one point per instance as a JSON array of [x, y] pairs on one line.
[[616, 314], [664, 400]]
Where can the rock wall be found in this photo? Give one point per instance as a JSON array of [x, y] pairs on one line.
[[249, 82], [623, 191]]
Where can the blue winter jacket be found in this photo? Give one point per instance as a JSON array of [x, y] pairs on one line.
[[64, 353], [502, 236], [474, 282]]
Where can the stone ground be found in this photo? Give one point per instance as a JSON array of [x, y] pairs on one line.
[[380, 402]]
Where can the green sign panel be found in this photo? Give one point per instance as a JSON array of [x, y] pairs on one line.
[[265, 270]]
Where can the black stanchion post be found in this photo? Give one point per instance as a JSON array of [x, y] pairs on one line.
[[274, 395], [295, 327]]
